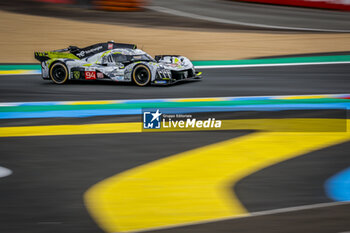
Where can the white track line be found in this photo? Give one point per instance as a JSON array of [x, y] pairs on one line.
[[20, 74], [254, 214], [5, 172], [226, 21], [271, 65], [13, 104]]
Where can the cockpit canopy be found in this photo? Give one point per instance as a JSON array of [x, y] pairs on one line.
[[123, 58]]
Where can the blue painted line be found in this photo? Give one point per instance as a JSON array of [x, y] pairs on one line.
[[136, 111], [338, 186], [38, 104], [164, 100], [341, 96], [281, 107], [72, 113]]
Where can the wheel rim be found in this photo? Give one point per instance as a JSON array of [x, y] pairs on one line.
[[59, 73], [141, 76]]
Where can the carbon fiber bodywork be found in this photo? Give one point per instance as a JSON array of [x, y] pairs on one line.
[[116, 62]]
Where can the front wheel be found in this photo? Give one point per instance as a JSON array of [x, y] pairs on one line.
[[141, 75], [58, 73]]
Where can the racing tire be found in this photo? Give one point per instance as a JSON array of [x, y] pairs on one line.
[[141, 75], [59, 73]]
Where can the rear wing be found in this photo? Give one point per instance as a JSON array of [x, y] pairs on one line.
[[73, 52], [44, 56]]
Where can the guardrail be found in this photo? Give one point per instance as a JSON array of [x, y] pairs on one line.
[[327, 4], [120, 5]]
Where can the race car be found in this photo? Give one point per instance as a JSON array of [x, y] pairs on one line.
[[115, 61]]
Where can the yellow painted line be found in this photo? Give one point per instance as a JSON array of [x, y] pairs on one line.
[[196, 100], [194, 186], [277, 125], [4, 72], [51, 130], [302, 97], [90, 102]]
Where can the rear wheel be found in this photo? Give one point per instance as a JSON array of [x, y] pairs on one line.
[[58, 73], [141, 75]]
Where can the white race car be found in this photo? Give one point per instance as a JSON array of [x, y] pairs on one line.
[[115, 61]]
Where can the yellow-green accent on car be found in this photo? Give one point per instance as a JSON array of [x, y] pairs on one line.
[[52, 55]]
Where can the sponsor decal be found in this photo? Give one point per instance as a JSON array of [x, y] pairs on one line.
[[76, 74], [155, 119], [89, 75], [100, 75], [160, 82], [83, 53], [110, 46], [118, 78]]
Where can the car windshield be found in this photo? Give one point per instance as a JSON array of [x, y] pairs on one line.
[[121, 58]]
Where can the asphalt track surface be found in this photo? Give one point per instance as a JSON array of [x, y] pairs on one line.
[[294, 179], [288, 80], [257, 15], [44, 194]]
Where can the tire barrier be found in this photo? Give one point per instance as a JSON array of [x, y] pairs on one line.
[[120, 5]]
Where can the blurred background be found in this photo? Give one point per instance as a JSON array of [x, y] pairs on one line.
[[73, 157], [201, 30]]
